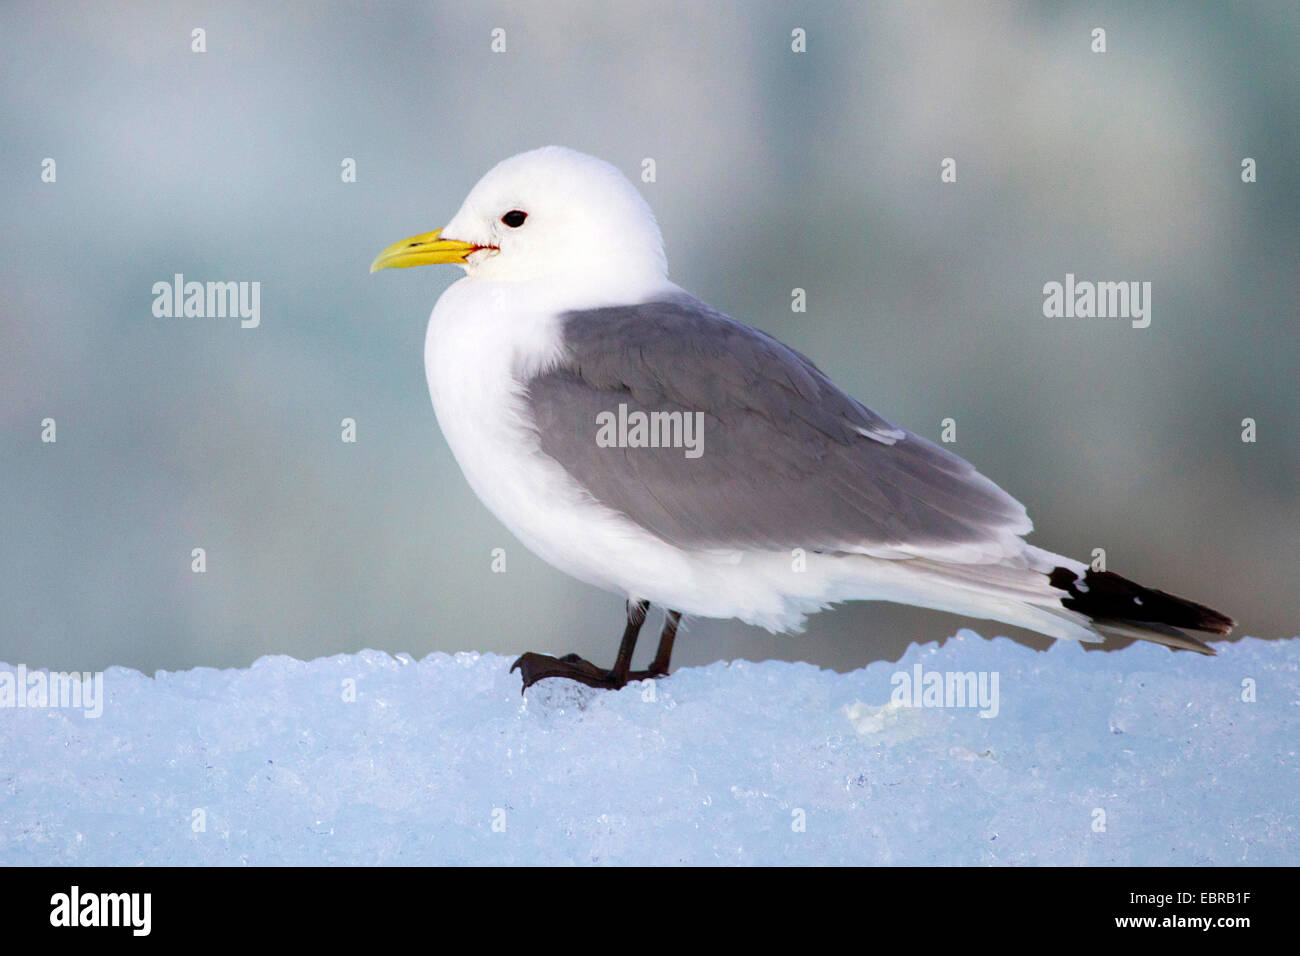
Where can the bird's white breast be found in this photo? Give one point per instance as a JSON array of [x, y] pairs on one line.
[[483, 344]]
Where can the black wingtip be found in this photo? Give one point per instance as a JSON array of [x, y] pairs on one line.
[[1104, 595]]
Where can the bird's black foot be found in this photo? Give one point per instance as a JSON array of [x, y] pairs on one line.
[[533, 667]]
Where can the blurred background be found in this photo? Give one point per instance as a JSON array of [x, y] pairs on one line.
[[775, 170]]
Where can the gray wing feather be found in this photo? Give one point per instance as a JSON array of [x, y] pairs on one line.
[[788, 459]]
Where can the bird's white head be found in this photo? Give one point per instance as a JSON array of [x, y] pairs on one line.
[[550, 213]]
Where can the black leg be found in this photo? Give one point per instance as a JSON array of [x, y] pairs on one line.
[[534, 667], [659, 666], [623, 663]]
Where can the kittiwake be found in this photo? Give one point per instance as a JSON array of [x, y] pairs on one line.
[[645, 443]]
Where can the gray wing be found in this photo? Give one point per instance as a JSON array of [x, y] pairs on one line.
[[787, 459]]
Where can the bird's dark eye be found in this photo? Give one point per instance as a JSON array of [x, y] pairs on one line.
[[514, 218]]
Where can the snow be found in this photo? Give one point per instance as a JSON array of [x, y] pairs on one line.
[[1140, 756]]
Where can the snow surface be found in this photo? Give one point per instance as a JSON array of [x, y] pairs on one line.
[[1140, 756]]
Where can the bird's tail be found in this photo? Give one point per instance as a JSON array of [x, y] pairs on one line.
[[1034, 589], [1118, 606]]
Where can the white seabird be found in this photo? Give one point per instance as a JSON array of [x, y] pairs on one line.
[[791, 497]]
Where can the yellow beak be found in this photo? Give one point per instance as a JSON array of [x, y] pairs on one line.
[[423, 250]]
